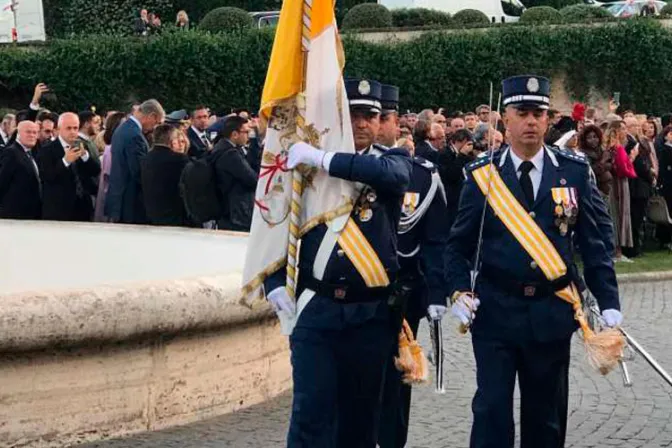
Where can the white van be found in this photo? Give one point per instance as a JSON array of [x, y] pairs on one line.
[[29, 21], [499, 11]]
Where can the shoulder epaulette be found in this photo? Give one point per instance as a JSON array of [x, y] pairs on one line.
[[569, 155], [426, 164], [479, 162]]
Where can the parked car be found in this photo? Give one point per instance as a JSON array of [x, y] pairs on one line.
[[265, 18], [623, 9]]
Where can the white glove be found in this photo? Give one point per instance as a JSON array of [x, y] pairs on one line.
[[612, 318], [436, 312], [281, 301], [304, 153], [465, 308]]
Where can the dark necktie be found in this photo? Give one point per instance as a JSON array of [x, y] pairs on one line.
[[526, 182]]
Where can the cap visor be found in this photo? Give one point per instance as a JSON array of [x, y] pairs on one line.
[[529, 106]]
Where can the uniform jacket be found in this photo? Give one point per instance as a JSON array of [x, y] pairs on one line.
[[124, 201], [61, 201], [19, 185], [422, 245], [505, 316], [389, 176]]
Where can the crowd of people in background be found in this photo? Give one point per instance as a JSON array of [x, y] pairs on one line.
[[149, 23], [197, 168]]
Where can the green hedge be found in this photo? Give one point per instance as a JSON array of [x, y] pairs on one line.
[[541, 15], [228, 70], [556, 4], [78, 17], [471, 17], [367, 15], [226, 18], [580, 13], [414, 17]]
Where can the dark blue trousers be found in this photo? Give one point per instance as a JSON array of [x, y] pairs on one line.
[[338, 379], [395, 414], [542, 370]]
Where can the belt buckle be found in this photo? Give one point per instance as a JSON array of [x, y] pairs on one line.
[[340, 293], [529, 290]]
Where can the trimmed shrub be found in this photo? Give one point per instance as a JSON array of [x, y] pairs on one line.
[[541, 15], [557, 4], [226, 18], [470, 17], [410, 17], [583, 13], [667, 10], [367, 15]]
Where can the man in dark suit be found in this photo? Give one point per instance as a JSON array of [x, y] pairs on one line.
[[236, 180], [20, 195], [451, 168], [199, 143], [423, 146], [68, 173], [124, 202], [7, 126], [161, 171]]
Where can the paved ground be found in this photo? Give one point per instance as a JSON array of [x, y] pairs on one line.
[[602, 412]]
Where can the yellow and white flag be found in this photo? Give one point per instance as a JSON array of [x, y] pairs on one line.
[[304, 99]]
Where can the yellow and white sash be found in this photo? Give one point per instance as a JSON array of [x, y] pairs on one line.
[[526, 231], [362, 256]]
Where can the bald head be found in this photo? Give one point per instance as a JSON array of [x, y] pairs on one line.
[[68, 127], [27, 132]]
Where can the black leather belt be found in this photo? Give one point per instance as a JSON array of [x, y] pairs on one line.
[[507, 282], [345, 293]]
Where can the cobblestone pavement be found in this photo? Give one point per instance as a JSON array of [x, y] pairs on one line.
[[602, 412]]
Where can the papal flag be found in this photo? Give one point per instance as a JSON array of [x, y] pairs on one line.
[[303, 100]]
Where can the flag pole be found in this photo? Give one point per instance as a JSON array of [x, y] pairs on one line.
[[297, 176]]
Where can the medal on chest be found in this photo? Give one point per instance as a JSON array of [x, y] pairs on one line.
[[566, 208], [364, 203]]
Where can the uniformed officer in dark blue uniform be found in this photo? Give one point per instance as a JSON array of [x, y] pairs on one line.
[[344, 335], [423, 235], [521, 328]]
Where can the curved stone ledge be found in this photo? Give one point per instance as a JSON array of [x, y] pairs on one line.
[[38, 320], [111, 312], [107, 330]]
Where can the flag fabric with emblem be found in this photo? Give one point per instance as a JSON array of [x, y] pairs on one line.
[[303, 99]]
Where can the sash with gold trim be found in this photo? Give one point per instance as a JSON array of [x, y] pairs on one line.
[[604, 348]]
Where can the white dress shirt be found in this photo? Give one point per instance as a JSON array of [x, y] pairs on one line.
[[4, 136], [535, 173]]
